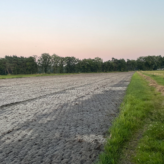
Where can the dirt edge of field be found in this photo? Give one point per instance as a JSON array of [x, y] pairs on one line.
[[153, 83]]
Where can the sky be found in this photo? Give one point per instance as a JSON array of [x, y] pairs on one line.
[[82, 28]]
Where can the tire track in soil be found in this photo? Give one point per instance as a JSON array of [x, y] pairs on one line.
[[67, 127]]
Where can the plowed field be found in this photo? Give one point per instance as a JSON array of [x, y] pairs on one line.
[[58, 119]]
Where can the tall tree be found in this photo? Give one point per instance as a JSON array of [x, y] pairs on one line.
[[61, 64], [55, 62], [31, 65], [44, 62], [71, 63], [3, 66], [98, 64]]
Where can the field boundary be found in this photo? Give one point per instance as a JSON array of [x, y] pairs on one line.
[[51, 74], [159, 88], [134, 110]]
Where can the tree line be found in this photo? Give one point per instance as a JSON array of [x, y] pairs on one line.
[[57, 64]]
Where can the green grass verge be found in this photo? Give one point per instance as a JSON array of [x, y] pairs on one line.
[[150, 149], [33, 75], [51, 74], [136, 106]]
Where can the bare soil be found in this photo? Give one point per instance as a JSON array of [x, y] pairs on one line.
[[58, 119]]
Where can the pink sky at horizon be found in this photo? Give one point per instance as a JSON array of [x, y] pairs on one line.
[[30, 48]]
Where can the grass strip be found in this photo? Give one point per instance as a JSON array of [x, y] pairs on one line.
[[150, 149], [33, 75], [47, 74], [135, 107]]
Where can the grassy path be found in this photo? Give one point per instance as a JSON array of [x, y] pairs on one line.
[[141, 114]]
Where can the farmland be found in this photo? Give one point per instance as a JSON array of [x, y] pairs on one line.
[[58, 119]]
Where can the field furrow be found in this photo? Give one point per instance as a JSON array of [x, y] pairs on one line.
[[60, 119]]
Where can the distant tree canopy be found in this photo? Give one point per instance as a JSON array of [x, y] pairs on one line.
[[18, 65], [44, 62], [56, 64]]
